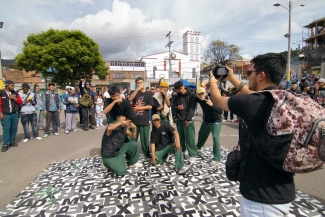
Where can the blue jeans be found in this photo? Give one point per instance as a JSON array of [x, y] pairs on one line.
[[25, 120], [9, 128], [255, 209], [150, 114]]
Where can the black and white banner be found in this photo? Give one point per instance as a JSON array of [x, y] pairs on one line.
[[83, 187]]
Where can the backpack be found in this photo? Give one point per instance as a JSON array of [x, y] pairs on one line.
[[294, 136], [86, 100]]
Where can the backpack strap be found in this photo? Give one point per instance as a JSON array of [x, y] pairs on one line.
[[243, 154]]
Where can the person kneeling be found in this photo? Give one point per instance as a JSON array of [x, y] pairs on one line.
[[162, 141], [115, 144]]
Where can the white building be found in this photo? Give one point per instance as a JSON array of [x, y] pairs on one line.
[[183, 65]]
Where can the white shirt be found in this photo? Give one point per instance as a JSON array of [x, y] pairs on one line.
[[106, 95]]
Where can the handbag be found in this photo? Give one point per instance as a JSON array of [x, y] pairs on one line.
[[233, 164]]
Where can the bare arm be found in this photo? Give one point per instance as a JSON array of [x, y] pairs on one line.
[[134, 133], [113, 126], [110, 106], [236, 82], [177, 141]]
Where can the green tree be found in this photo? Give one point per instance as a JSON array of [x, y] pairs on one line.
[[221, 52], [64, 55]]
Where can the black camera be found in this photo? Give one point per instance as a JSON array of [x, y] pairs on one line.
[[220, 71]]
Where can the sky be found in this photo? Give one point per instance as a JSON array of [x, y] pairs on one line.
[[130, 29]]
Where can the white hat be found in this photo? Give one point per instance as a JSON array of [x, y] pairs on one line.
[[67, 87], [321, 80], [71, 88]]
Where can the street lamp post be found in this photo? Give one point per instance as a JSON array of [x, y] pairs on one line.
[[288, 35]]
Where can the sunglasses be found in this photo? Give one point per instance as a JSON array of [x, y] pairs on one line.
[[249, 72]]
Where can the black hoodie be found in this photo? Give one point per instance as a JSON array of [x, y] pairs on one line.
[[188, 100]]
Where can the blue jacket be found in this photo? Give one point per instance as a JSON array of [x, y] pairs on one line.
[[71, 107]]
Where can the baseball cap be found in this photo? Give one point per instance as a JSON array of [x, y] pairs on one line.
[[200, 90], [71, 88], [155, 116], [7, 82], [87, 82], [321, 80], [25, 85], [67, 87], [163, 84], [93, 85]]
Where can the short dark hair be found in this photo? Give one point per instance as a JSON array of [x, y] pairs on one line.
[[294, 82], [113, 90], [272, 64], [51, 84], [138, 79], [178, 85], [170, 86], [303, 86]]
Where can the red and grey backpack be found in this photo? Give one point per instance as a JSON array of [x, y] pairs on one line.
[[294, 137]]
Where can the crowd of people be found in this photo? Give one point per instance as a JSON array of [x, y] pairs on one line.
[[130, 113]]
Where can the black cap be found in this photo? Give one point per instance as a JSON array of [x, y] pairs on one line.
[[25, 85], [7, 82]]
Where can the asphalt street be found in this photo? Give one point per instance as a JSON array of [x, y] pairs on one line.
[[21, 165]]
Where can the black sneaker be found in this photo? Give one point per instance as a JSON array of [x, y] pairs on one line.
[[92, 127], [13, 144], [85, 129], [4, 148], [148, 155]]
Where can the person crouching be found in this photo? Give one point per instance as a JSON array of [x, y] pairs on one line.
[[162, 141], [115, 144]]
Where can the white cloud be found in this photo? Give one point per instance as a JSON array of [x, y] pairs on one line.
[[77, 2], [129, 29]]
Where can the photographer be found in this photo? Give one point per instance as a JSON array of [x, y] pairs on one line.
[[266, 191]]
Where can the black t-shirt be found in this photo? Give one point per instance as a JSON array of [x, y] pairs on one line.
[[141, 118], [112, 144], [212, 114], [261, 182], [124, 108], [162, 136]]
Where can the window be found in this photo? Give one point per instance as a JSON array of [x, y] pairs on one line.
[[197, 48], [196, 57], [95, 77], [136, 75], [197, 39], [124, 64], [192, 38], [119, 75], [192, 48], [191, 57]]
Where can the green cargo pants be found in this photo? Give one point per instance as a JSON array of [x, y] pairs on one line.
[[204, 132], [163, 154], [187, 137], [143, 131], [117, 164]]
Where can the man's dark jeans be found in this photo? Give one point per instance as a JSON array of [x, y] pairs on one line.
[[25, 120]]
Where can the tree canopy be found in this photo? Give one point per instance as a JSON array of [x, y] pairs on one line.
[[221, 52], [64, 55]]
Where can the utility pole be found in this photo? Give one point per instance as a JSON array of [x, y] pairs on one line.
[[169, 56]]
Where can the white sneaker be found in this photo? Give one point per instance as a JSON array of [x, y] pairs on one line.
[[224, 120], [75, 130], [38, 138], [25, 140], [232, 120], [138, 164], [214, 163], [184, 170], [66, 132], [192, 160]]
